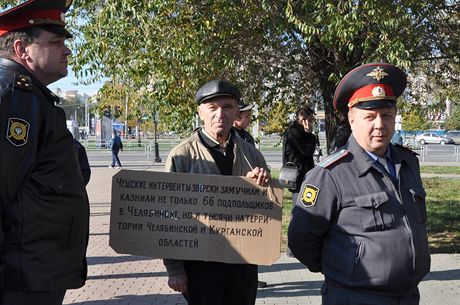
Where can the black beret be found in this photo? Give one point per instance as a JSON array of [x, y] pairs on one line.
[[370, 86], [217, 88]]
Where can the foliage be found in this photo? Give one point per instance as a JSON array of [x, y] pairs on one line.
[[413, 119], [453, 120], [342, 35], [275, 51]]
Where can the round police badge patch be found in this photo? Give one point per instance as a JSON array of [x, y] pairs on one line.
[[309, 195], [18, 131]]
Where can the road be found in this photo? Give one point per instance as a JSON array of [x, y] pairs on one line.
[[440, 154]]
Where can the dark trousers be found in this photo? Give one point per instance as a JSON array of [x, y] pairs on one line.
[[19, 297], [342, 296], [115, 159], [212, 283]]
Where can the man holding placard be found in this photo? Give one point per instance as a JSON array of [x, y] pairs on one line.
[[215, 149]]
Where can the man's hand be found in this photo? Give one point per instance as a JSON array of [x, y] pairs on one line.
[[260, 175], [178, 283]]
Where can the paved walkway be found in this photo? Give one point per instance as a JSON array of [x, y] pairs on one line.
[[132, 280]]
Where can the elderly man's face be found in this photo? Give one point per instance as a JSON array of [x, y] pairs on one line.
[[218, 116], [373, 128]]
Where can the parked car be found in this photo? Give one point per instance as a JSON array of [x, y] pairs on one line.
[[454, 135], [433, 138]]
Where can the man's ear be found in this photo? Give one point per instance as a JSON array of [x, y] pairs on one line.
[[351, 117], [20, 49], [198, 110]]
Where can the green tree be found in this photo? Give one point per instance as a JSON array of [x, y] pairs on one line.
[[414, 119], [453, 120], [275, 51]]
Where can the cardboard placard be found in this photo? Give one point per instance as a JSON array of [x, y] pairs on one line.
[[195, 217]]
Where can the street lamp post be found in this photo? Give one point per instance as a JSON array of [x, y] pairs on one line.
[[155, 124], [157, 150]]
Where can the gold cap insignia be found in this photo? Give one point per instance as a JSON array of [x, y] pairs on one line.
[[309, 195], [378, 74], [18, 131]]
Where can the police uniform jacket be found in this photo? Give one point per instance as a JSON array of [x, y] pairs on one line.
[[44, 205], [359, 227], [245, 135], [191, 156], [298, 148]]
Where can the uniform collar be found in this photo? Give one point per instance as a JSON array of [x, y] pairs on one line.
[[364, 160], [13, 65], [374, 157]]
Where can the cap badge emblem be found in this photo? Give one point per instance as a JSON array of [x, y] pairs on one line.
[[378, 74], [378, 91]]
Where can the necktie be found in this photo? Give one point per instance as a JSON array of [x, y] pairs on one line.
[[389, 166]]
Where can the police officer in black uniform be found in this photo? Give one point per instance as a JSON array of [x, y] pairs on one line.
[[243, 121], [360, 218], [44, 209]]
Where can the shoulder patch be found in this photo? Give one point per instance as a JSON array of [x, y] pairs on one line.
[[22, 82], [18, 131], [405, 149], [334, 158], [309, 195]]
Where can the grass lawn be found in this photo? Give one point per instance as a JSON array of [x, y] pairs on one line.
[[440, 169], [443, 208]]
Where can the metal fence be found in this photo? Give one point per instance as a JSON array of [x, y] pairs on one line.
[[436, 152]]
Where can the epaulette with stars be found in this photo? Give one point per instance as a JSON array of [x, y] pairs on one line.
[[22, 82], [333, 158]]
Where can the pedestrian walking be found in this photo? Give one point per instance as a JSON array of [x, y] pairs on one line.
[[44, 210], [115, 145]]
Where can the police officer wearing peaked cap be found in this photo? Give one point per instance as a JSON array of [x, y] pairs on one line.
[[243, 121], [360, 218], [46, 14], [44, 212]]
